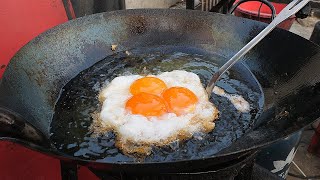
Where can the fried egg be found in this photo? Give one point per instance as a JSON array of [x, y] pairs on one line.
[[154, 110]]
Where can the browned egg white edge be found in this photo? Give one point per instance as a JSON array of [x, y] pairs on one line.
[[141, 149]]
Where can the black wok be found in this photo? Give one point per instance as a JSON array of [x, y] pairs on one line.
[[284, 64]]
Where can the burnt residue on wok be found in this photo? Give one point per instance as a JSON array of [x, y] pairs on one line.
[[70, 126]]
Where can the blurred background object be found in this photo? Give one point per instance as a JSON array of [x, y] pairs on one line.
[[87, 7]]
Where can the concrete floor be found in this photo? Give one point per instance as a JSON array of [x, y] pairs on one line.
[[308, 163], [304, 27]]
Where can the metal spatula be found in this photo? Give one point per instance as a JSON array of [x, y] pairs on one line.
[[288, 11]]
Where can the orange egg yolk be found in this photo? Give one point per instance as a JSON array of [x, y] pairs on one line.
[[146, 104], [150, 85], [179, 99]]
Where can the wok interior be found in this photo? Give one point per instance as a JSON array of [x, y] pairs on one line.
[[70, 127], [284, 64]]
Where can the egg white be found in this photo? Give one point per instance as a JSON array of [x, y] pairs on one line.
[[238, 101], [137, 133]]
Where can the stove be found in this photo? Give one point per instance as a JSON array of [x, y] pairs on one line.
[[39, 166], [241, 169]]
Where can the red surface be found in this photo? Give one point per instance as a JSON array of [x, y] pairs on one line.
[[22, 20], [85, 174], [250, 10], [314, 146], [17, 162]]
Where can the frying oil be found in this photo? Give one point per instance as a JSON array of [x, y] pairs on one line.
[[79, 99]]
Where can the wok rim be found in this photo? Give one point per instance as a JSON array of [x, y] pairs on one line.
[[61, 156]]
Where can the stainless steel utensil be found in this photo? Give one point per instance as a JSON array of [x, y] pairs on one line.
[[288, 11]]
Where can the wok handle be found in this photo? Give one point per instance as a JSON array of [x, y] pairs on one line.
[[14, 128]]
